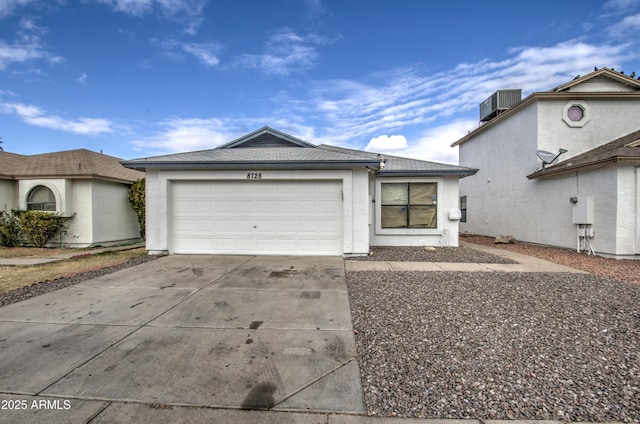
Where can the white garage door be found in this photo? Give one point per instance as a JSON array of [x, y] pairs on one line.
[[257, 217]]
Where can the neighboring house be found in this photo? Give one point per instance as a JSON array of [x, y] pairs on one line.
[[588, 197], [271, 193], [89, 188]]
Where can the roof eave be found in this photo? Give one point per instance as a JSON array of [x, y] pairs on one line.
[[591, 166], [142, 165], [429, 173]]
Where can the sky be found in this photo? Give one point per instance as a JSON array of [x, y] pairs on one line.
[[138, 78]]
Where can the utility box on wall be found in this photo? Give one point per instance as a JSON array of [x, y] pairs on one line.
[[583, 210]]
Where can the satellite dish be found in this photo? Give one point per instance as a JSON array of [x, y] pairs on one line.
[[548, 158]]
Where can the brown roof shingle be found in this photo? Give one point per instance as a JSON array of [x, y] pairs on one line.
[[80, 163]]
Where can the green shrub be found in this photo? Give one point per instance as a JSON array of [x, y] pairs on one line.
[[38, 227], [10, 233], [137, 200]]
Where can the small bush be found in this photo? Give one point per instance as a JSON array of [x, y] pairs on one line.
[[10, 233], [137, 196], [38, 227]]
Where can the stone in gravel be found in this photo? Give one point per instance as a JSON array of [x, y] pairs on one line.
[[504, 239]]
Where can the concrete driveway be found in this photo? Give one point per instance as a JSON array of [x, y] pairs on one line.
[[217, 331]]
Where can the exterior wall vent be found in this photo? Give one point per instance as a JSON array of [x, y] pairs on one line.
[[498, 102]]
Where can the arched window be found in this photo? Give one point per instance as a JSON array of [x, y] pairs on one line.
[[41, 199]]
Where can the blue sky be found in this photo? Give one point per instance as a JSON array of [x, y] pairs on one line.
[[137, 78]]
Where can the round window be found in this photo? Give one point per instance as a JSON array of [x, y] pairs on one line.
[[575, 113]]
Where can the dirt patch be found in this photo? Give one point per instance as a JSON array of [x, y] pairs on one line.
[[14, 277], [31, 252]]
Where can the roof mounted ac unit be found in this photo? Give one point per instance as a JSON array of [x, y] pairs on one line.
[[498, 102]]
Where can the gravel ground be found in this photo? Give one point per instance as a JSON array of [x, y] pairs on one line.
[[439, 254], [47, 286], [621, 269], [497, 345]]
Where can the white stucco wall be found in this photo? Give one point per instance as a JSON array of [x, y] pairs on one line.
[[113, 218], [501, 200], [8, 195], [61, 189], [499, 192], [355, 201], [609, 119], [446, 233], [627, 210]]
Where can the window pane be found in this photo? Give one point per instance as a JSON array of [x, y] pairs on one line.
[[41, 194], [394, 217], [422, 217], [41, 199], [394, 194], [423, 193]]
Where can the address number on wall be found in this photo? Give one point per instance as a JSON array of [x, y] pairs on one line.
[[254, 175]]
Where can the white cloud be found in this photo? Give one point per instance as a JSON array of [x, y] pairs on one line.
[[621, 4], [387, 144], [190, 134], [27, 47], [34, 115], [183, 135], [205, 53], [8, 6], [285, 52], [186, 12], [628, 27], [409, 98], [82, 79], [433, 144]]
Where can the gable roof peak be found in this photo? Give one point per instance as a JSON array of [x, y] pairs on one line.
[[619, 77], [266, 137]]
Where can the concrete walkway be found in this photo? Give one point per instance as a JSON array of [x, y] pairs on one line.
[[524, 264]]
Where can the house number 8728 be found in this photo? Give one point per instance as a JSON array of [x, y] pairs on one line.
[[254, 175]]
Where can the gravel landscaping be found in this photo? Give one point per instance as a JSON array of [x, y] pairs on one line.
[[620, 269], [497, 345], [438, 254]]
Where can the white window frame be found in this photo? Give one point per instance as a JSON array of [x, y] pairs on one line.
[[38, 187], [586, 115], [408, 231]]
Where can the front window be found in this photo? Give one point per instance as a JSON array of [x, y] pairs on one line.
[[409, 205], [41, 199]]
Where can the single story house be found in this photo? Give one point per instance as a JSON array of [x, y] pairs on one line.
[[89, 188], [560, 167], [271, 193]]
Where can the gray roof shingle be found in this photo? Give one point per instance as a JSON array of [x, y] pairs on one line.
[[397, 165], [300, 155]]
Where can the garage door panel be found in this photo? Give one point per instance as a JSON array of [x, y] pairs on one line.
[[268, 217]]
